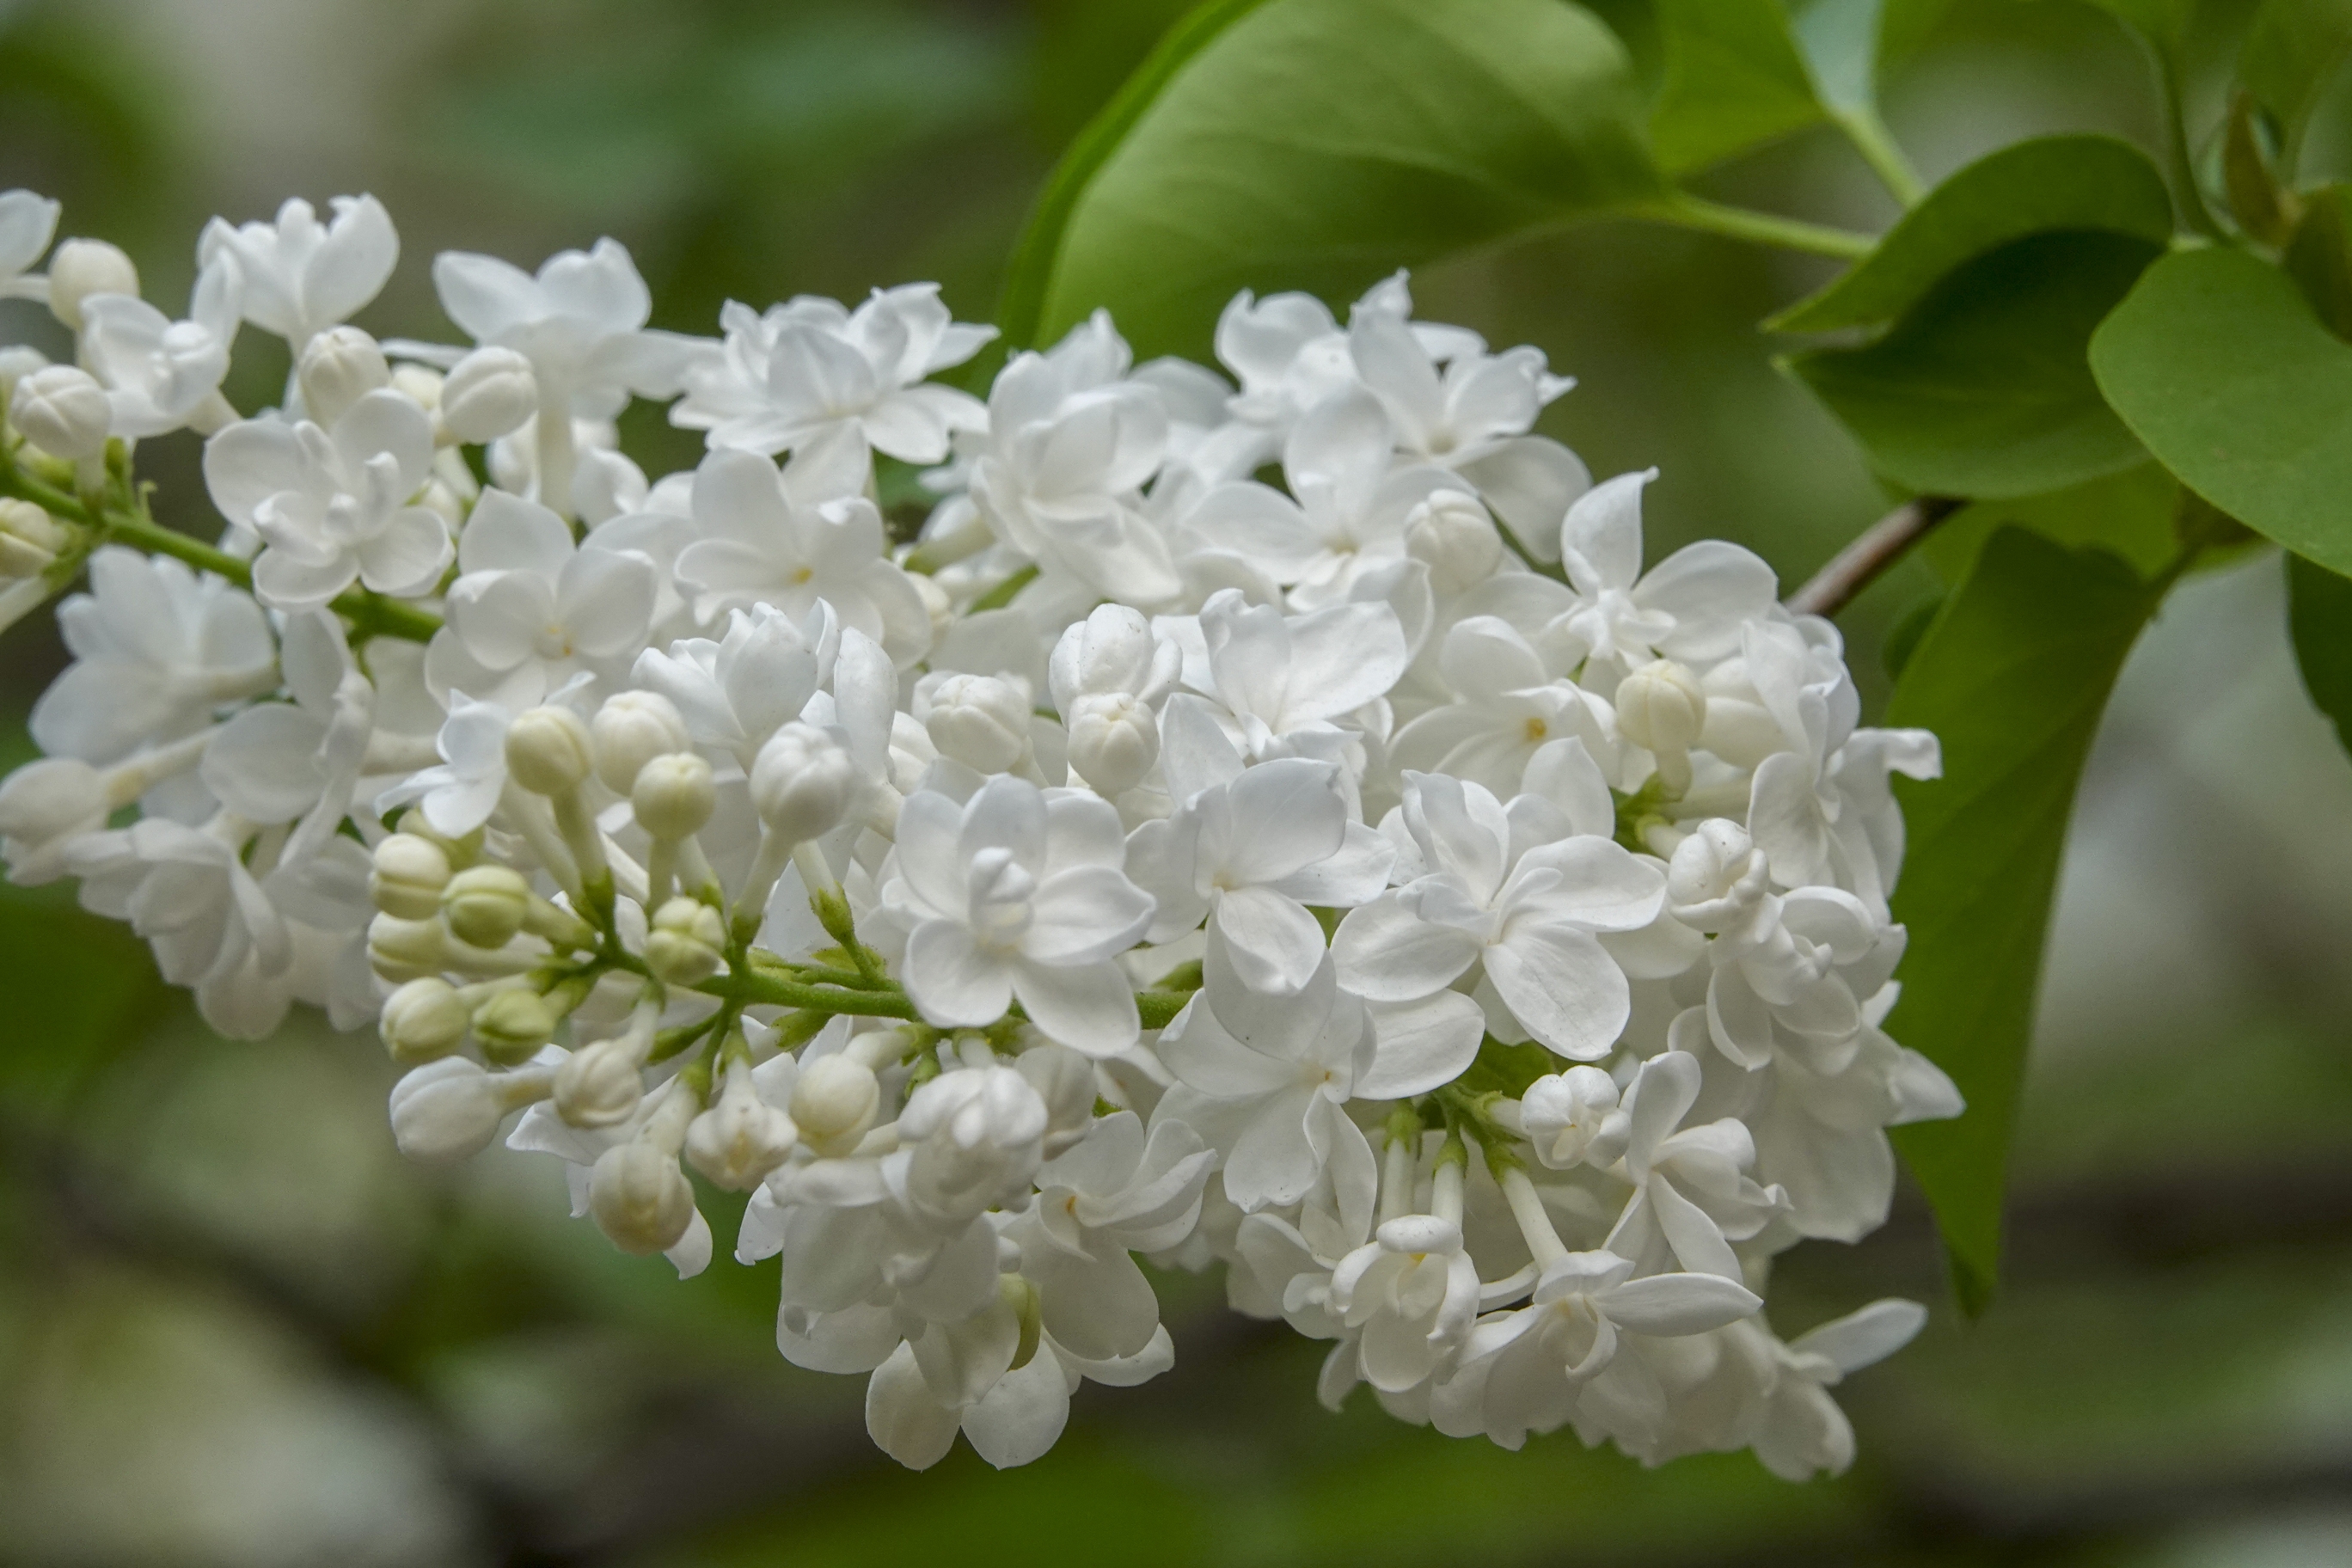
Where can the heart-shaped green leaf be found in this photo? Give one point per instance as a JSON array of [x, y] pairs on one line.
[[1317, 144], [2217, 363], [2012, 678], [2050, 184], [1734, 80], [1981, 389]]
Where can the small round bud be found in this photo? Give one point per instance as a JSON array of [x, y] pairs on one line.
[[405, 950], [63, 411], [1114, 741], [1452, 535], [980, 720], [486, 905], [52, 795], [1717, 876], [29, 538], [80, 268], [445, 1111], [1660, 707], [1111, 650], [462, 852], [408, 876], [631, 730], [547, 750], [802, 783], [600, 1085], [742, 1137], [511, 1025], [835, 1100], [674, 795], [423, 1020], [420, 384], [488, 394], [642, 1201], [687, 943], [1566, 1117], [338, 368]]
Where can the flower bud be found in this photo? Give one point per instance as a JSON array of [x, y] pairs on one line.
[[423, 1020], [1111, 650], [547, 750], [687, 943], [338, 368], [1717, 876], [80, 268], [420, 384], [631, 730], [486, 905], [980, 720], [1114, 741], [674, 795], [46, 808], [488, 394], [29, 538], [642, 1201], [835, 1100], [742, 1137], [405, 950], [1660, 707], [511, 1025], [1452, 535], [802, 783], [445, 1111], [18, 361], [600, 1085], [408, 876], [1566, 1116], [63, 411]]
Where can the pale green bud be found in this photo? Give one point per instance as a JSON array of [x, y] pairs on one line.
[[640, 1198], [406, 949], [600, 1085], [29, 538], [338, 368], [742, 1137], [80, 268], [631, 730], [687, 942], [486, 905], [835, 1101], [488, 394], [511, 1025], [63, 411], [547, 750], [674, 796], [408, 876], [1661, 708], [423, 1020]]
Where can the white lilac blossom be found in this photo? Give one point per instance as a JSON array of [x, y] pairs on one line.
[[1209, 844]]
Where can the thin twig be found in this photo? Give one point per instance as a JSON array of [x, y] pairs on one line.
[[1875, 549]]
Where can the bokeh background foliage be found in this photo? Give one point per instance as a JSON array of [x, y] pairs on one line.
[[234, 1330]]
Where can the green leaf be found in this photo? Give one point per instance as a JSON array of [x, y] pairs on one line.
[[2319, 619], [2163, 23], [2052, 182], [1839, 41], [2292, 51], [2218, 364], [1318, 144], [2012, 678], [2129, 513], [1734, 80], [1981, 389], [83, 985], [2319, 257]]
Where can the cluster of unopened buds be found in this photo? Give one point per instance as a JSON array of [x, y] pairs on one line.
[[1373, 882]]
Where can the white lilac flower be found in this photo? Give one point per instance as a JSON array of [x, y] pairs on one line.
[[1010, 896], [1175, 858], [808, 369], [333, 507], [299, 277], [27, 223]]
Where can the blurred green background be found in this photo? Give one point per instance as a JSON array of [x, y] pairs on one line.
[[235, 1329]]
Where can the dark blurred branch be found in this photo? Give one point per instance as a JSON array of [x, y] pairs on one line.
[[1875, 549]]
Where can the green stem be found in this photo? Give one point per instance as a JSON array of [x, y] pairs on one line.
[[759, 989], [996, 598], [370, 614], [1682, 210], [1877, 144]]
